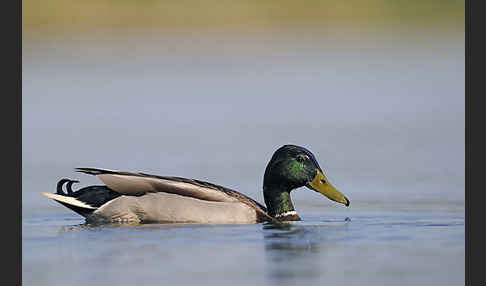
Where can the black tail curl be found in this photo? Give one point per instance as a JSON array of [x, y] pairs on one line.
[[69, 185], [94, 196]]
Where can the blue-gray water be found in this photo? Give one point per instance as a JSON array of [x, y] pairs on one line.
[[384, 117]]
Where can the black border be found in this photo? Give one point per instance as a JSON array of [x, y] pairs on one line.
[[474, 76], [467, 187], [12, 167], [467, 271]]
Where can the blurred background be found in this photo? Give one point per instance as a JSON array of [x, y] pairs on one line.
[[209, 90]]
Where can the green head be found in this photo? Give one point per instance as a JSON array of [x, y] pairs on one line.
[[293, 167]]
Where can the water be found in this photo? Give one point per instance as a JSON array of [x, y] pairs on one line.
[[384, 117], [380, 248]]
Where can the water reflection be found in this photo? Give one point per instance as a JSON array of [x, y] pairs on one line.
[[292, 253]]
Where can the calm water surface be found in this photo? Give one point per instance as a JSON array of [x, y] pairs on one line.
[[384, 117], [365, 247]]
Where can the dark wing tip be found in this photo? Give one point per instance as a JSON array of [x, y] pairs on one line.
[[93, 171]]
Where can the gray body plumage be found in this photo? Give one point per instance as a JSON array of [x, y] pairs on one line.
[[145, 198], [171, 208]]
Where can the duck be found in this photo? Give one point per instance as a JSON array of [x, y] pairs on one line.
[[137, 197]]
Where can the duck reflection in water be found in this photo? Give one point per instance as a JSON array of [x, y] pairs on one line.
[[292, 252]]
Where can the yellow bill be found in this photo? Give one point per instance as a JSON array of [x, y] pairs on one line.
[[321, 184]]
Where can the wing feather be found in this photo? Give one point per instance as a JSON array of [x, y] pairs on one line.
[[129, 183]]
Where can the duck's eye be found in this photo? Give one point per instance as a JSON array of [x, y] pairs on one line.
[[323, 181], [302, 158]]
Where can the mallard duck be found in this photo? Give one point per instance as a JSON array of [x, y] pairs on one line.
[[144, 198]]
